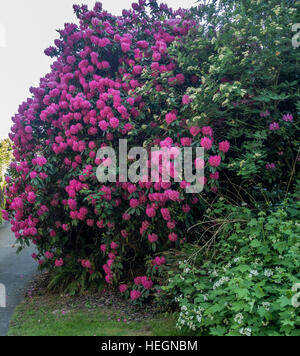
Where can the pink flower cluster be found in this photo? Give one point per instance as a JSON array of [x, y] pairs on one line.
[[97, 93]]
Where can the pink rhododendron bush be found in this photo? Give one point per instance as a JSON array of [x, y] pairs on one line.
[[136, 77]]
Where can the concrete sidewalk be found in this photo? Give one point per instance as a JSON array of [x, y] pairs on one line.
[[16, 271]]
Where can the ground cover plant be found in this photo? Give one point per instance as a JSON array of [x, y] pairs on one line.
[[247, 283]]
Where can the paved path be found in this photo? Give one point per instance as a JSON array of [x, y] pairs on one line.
[[16, 271]]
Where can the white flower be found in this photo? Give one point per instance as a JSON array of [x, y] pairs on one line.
[[239, 318], [253, 272], [215, 273], [266, 305], [199, 318], [220, 282], [268, 273], [246, 331]]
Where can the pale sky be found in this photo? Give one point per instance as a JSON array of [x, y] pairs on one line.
[[27, 28]]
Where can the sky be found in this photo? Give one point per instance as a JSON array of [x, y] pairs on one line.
[[27, 28]]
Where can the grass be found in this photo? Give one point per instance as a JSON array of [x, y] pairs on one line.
[[54, 316]]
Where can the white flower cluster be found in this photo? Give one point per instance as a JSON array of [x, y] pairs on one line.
[[253, 272], [268, 273], [246, 331], [178, 299], [266, 305], [239, 318], [220, 282], [228, 266], [189, 318], [214, 273]]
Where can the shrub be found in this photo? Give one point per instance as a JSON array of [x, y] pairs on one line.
[[247, 287], [248, 94], [86, 231]]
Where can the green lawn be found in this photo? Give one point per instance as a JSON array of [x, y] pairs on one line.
[[52, 316]]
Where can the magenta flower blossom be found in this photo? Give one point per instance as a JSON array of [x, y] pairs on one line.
[[156, 56], [173, 237], [215, 161], [103, 125], [186, 141], [5, 215], [59, 262], [186, 208], [151, 212], [265, 113], [206, 143], [90, 222], [165, 214], [270, 166], [41, 161], [125, 47], [274, 126], [137, 281], [172, 195], [31, 197], [152, 238], [159, 261], [171, 225], [28, 129], [135, 294], [195, 130], [124, 233], [224, 146], [134, 203], [126, 217], [147, 282], [288, 118], [123, 288], [137, 69], [207, 131], [215, 176], [114, 122], [113, 246], [186, 100], [86, 264], [170, 117]]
